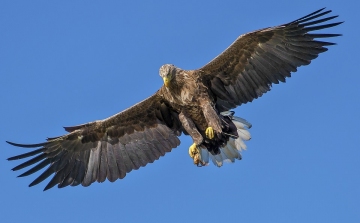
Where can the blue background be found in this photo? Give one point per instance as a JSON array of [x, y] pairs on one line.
[[65, 63]]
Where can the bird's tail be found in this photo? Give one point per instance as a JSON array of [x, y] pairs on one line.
[[234, 145]]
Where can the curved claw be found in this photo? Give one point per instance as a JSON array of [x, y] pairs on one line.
[[197, 161], [193, 150], [209, 132], [195, 155]]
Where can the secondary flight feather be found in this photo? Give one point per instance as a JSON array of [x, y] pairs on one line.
[[197, 103]]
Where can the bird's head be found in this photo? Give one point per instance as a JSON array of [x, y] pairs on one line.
[[167, 72]]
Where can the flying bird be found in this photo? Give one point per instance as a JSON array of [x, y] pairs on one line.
[[197, 103]]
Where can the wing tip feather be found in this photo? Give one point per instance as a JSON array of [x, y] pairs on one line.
[[26, 145]]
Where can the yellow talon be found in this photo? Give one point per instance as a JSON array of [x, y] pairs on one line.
[[209, 132], [193, 150], [195, 155]]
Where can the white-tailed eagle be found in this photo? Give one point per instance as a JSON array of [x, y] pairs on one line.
[[194, 102]]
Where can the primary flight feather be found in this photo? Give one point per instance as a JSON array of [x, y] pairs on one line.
[[193, 102]]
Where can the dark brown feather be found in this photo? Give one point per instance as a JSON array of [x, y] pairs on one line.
[[105, 149], [264, 57], [111, 148], [112, 169]]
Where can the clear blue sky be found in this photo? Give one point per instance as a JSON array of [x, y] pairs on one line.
[[67, 63]]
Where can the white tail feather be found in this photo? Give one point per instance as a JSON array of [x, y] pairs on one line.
[[225, 157], [231, 150], [204, 154], [239, 125], [244, 134], [216, 159], [241, 120], [240, 145], [228, 154]]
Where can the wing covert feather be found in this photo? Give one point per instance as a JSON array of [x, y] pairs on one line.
[[107, 149], [256, 60]]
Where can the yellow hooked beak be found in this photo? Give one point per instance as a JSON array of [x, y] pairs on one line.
[[166, 81]]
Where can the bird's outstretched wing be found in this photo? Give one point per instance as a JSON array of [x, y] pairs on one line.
[[256, 60], [105, 149]]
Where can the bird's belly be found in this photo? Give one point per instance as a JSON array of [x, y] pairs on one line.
[[197, 116]]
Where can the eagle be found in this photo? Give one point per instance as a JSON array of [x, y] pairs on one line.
[[197, 103]]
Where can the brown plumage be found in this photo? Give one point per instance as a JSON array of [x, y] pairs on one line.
[[190, 103]]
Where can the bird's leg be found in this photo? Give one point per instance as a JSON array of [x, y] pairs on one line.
[[212, 119], [193, 150], [194, 153], [209, 132], [190, 128]]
